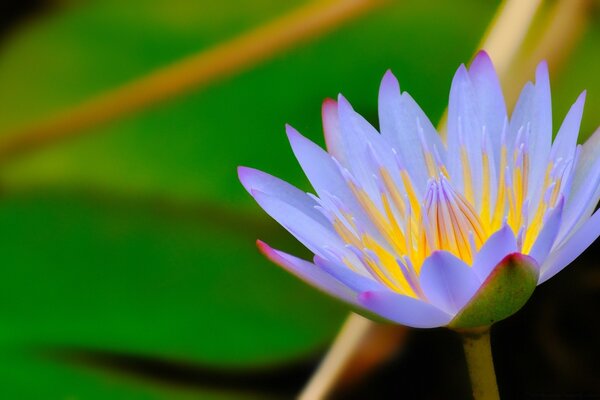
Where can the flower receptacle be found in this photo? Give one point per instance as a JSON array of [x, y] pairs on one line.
[[504, 292]]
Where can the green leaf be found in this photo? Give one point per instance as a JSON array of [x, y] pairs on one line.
[[504, 292], [152, 279]]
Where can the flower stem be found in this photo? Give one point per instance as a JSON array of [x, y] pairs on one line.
[[478, 354]]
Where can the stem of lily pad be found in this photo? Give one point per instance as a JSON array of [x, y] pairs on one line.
[[478, 353]]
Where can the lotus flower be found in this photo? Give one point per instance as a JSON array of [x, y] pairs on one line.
[[425, 233]]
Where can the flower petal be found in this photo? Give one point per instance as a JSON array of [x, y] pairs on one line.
[[318, 166], [465, 132], [309, 273], [572, 248], [348, 277], [403, 310], [357, 135], [585, 193], [326, 178], [255, 180], [402, 122], [547, 236], [522, 113], [331, 128], [540, 140], [566, 139], [307, 230], [490, 98], [498, 246], [533, 118], [447, 282]]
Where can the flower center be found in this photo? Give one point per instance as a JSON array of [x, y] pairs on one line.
[[449, 222]]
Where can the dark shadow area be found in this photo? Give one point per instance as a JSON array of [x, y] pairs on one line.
[[277, 381], [12, 12]]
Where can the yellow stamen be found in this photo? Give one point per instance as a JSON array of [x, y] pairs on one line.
[[378, 219], [392, 272]]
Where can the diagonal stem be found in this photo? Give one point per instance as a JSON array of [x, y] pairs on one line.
[[563, 28], [244, 51], [351, 337], [507, 32]]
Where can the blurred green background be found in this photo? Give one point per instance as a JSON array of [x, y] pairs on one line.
[[129, 268]]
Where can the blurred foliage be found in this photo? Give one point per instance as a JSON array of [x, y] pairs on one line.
[[136, 238]]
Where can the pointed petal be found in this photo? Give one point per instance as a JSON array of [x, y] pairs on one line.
[[504, 292], [465, 130], [309, 273], [331, 128], [367, 150], [403, 310], [402, 122], [547, 236], [585, 193], [566, 139], [543, 106], [318, 166], [588, 157], [255, 180], [348, 277], [498, 246], [447, 282], [357, 133], [540, 140], [325, 176], [489, 97], [307, 230], [574, 246], [522, 113]]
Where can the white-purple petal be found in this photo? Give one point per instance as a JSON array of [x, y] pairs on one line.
[[447, 281], [331, 128], [307, 230], [309, 273], [489, 98], [522, 114], [354, 280], [540, 139], [547, 236], [325, 176], [255, 180], [572, 248], [499, 245], [566, 139], [402, 123], [354, 139], [404, 310], [584, 193], [365, 148], [465, 131]]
